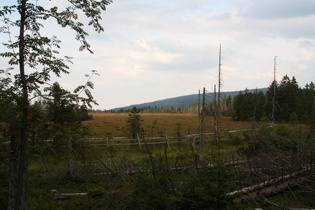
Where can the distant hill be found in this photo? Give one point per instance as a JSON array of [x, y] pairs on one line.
[[182, 101]]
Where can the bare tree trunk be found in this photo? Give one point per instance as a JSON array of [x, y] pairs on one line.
[[70, 158], [202, 125], [19, 134], [18, 167]]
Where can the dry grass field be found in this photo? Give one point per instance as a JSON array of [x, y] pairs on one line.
[[115, 124]]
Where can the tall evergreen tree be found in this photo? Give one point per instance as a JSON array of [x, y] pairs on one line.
[[134, 122], [237, 105], [260, 105], [249, 106], [287, 97]]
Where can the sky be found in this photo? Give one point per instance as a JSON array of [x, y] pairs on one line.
[[157, 49]]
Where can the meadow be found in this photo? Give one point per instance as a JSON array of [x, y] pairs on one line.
[[178, 128], [156, 125], [129, 176]]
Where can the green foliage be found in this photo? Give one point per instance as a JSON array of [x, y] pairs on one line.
[[134, 123], [62, 106], [291, 102], [149, 193], [283, 131], [249, 106], [8, 110], [259, 141], [208, 188], [268, 140], [287, 98], [59, 128], [155, 183], [286, 101], [227, 108], [96, 192], [38, 54], [163, 188], [9, 96]]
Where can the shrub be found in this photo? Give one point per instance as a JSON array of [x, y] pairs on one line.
[[293, 118]]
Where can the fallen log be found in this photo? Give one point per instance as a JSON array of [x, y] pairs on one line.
[[65, 196], [273, 186]]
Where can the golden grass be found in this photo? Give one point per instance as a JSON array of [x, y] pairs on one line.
[[115, 124]]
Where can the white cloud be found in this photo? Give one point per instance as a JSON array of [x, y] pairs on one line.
[[158, 49], [280, 9]]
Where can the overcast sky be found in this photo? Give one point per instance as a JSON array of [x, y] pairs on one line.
[[157, 49]]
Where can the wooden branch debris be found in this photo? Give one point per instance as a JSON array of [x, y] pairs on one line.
[[65, 196], [125, 141], [273, 186]]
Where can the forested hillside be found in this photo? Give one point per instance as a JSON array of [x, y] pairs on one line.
[[180, 104]]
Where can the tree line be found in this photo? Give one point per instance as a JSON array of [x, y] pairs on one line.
[[283, 102]]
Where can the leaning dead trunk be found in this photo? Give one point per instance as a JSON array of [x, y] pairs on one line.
[[65, 196], [274, 186]]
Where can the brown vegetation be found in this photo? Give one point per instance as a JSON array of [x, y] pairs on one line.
[[114, 124]]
